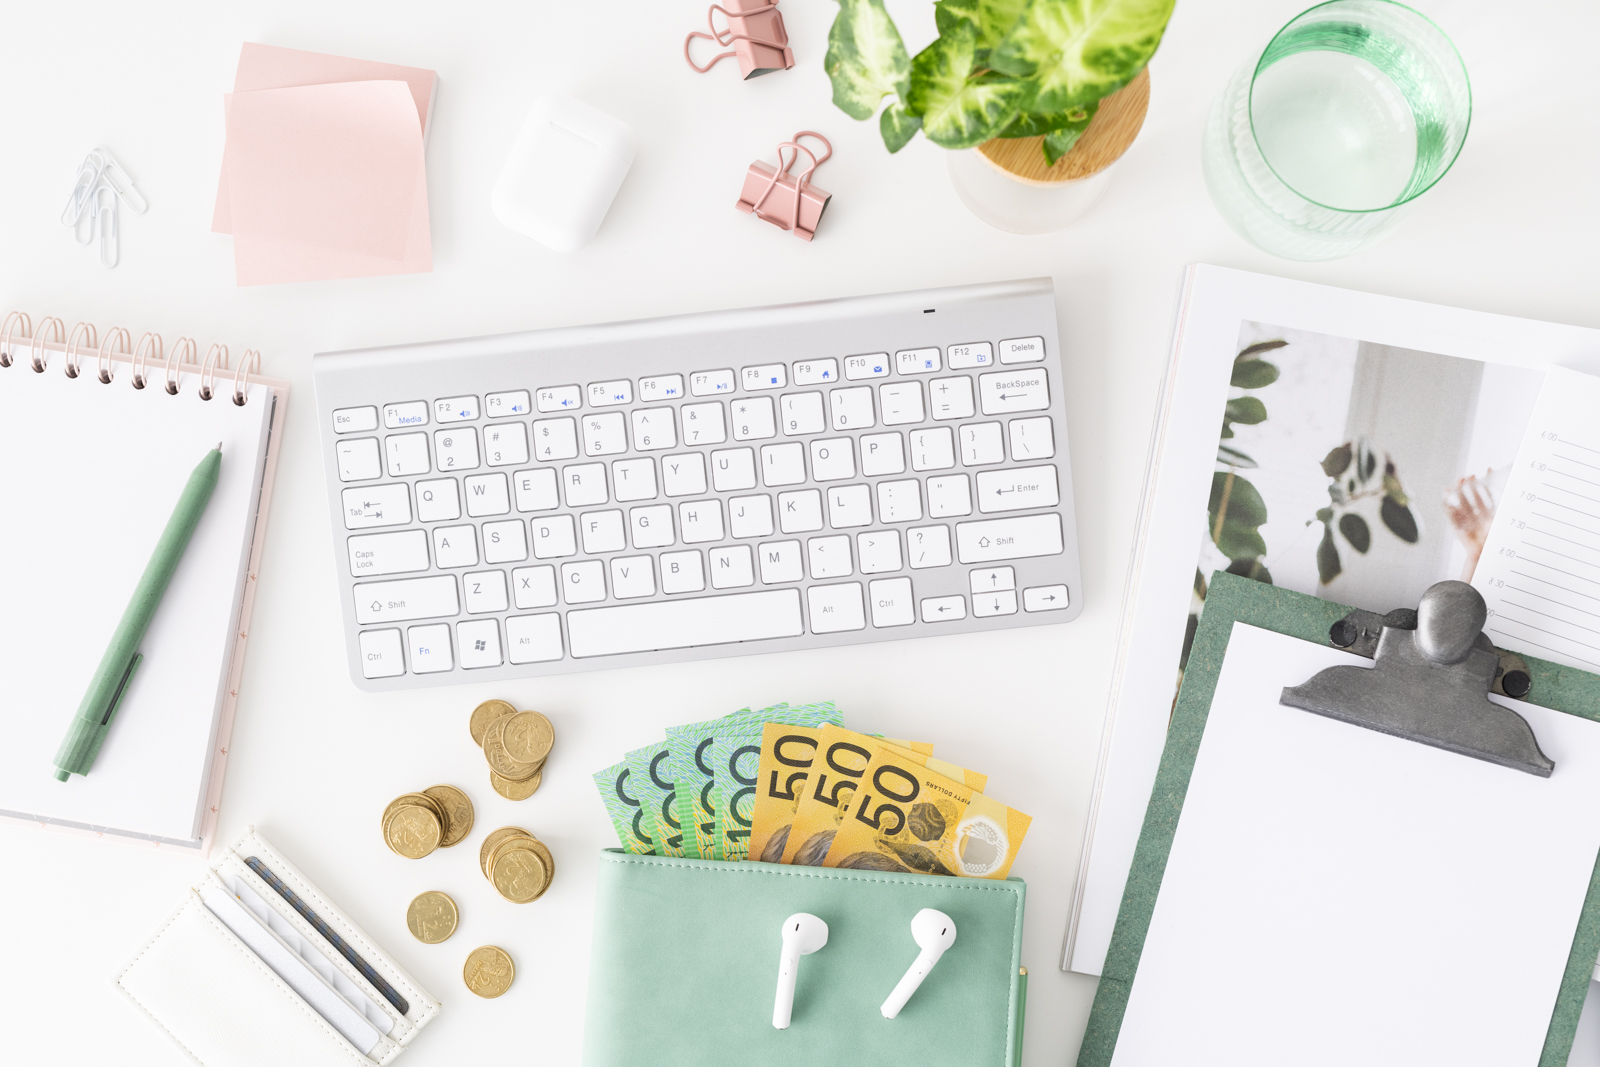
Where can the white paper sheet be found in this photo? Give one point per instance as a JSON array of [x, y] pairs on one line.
[[1337, 896]]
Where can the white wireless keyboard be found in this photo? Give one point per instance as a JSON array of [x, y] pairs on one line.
[[716, 484]]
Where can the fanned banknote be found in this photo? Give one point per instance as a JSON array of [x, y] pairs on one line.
[[787, 753], [735, 756], [656, 793], [627, 814], [690, 767]]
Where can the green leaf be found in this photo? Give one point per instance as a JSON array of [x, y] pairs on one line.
[[1199, 584], [1227, 428], [1356, 531], [1253, 374], [1240, 541], [1324, 516], [1399, 519], [1234, 458], [866, 59], [1258, 348], [898, 126], [1337, 462], [1033, 125], [996, 19], [1246, 410], [948, 14], [1077, 51], [1391, 486], [1253, 569], [1328, 566], [957, 111], [1244, 502], [1058, 143]]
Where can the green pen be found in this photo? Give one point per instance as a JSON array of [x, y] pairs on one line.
[[122, 657]]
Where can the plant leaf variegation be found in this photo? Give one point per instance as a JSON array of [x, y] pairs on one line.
[[999, 68]]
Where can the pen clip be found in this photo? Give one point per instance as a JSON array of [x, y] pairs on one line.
[[122, 687]]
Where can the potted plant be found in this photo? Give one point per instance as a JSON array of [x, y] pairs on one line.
[[1002, 77]]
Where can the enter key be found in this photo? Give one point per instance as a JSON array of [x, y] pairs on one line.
[[1018, 489]]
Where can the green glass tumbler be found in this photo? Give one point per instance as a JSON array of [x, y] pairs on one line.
[[1352, 111]]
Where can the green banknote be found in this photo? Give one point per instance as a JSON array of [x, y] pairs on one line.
[[690, 766], [627, 814], [735, 757], [653, 786]]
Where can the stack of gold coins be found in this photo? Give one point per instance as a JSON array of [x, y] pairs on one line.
[[517, 864], [515, 744], [414, 824]]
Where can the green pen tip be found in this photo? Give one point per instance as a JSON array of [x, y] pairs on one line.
[[62, 775]]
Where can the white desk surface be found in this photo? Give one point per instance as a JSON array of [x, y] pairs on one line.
[[1512, 229]]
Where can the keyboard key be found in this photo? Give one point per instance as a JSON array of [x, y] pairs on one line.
[[992, 579], [800, 512], [816, 372], [584, 484], [750, 516], [982, 443], [429, 647], [406, 598], [684, 475], [891, 602], [455, 546], [455, 409], [438, 500], [899, 501], [456, 450], [388, 553], [376, 505], [560, 398], [928, 546], [875, 365], [1018, 489], [479, 641], [1007, 391], [944, 608], [1045, 598], [508, 404], [533, 638], [881, 454], [832, 459], [918, 361], [484, 591], [783, 464], [835, 608], [356, 420], [1022, 350], [662, 387], [829, 556], [848, 506], [967, 357], [731, 567], [933, 449], [535, 489], [653, 430], [878, 552], [1033, 438], [703, 424], [753, 419], [780, 562], [534, 587], [609, 394], [682, 572], [988, 605], [900, 402], [733, 469], [949, 496], [852, 408], [668, 624], [802, 413], [505, 445], [583, 582], [700, 521], [407, 452], [989, 540], [411, 413], [765, 376], [651, 527], [605, 435], [553, 537], [632, 577], [555, 438], [505, 542], [711, 382], [633, 479], [358, 459], [381, 656], [951, 397], [603, 531], [488, 494]]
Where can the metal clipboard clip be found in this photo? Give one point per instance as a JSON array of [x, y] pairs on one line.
[[756, 32], [1430, 681], [788, 201]]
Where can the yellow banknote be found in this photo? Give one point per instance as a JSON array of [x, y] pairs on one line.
[[787, 753]]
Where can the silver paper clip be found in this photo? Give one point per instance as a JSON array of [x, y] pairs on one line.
[[94, 207]]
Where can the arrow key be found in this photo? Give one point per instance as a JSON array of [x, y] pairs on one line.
[[944, 608], [1045, 598]]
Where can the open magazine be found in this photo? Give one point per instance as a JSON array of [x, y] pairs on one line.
[[1353, 447]]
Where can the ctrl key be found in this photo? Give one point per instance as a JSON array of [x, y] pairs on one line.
[[381, 654]]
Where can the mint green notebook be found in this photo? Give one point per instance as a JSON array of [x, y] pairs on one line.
[[1230, 599], [685, 966]]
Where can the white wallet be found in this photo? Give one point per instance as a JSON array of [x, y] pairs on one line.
[[258, 969]]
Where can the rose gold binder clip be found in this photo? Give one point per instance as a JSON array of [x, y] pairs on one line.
[[788, 201], [756, 32]]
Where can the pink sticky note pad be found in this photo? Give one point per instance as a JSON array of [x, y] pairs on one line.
[[326, 181]]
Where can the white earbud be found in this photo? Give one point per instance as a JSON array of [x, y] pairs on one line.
[[803, 934], [934, 932]]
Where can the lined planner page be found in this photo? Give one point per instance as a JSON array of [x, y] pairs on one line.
[[1540, 568], [1337, 896]]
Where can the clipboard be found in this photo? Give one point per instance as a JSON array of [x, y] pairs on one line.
[[1232, 599]]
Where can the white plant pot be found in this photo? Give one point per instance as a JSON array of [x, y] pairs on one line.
[[1018, 205]]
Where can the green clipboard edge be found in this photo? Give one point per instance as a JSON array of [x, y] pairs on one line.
[[1231, 599]]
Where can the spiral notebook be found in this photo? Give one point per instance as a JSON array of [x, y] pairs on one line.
[[98, 441]]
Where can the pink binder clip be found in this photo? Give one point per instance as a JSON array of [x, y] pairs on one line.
[[756, 32], [788, 201]]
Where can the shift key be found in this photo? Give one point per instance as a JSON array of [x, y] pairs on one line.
[[995, 539], [406, 598]]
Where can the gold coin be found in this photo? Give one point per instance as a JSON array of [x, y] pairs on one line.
[[432, 917], [528, 843], [457, 813], [520, 875], [494, 840], [522, 840], [413, 831], [484, 714], [549, 863], [500, 761], [489, 971], [401, 801], [517, 790], [527, 737]]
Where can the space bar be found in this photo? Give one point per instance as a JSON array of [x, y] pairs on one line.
[[715, 620]]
